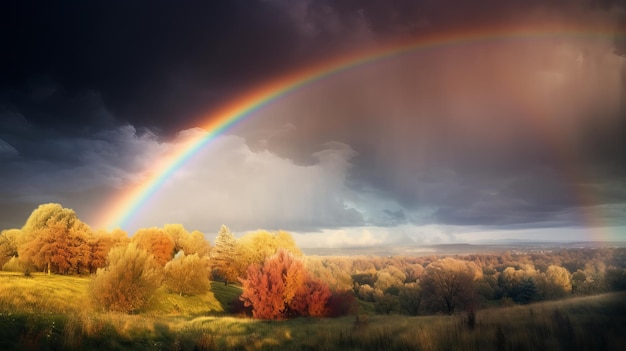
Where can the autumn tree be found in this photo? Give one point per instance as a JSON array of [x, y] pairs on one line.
[[389, 278], [129, 280], [189, 243], [281, 288], [101, 243], [448, 284], [59, 245], [196, 243], [157, 242], [329, 272], [187, 275], [556, 283], [255, 247], [8, 244], [44, 214], [223, 255]]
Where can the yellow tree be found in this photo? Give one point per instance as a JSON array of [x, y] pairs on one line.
[[556, 282], [44, 214], [223, 255], [187, 275], [189, 243], [196, 243], [448, 284], [255, 247]]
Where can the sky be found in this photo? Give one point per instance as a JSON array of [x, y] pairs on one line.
[[486, 140]]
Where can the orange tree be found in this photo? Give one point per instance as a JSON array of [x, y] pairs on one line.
[[281, 288]]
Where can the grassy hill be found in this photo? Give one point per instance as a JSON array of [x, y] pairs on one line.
[[53, 312]]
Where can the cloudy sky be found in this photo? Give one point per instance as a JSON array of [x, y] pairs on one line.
[[484, 140]]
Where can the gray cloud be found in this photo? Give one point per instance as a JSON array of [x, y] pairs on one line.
[[486, 134], [227, 183]]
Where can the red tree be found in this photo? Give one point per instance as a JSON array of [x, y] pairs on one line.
[[282, 288]]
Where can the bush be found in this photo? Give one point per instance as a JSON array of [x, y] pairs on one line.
[[13, 265], [188, 275], [342, 303], [129, 280]]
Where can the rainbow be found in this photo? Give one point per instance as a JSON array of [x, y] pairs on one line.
[[130, 201]]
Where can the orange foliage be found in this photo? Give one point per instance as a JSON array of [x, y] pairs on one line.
[[59, 246], [157, 242], [281, 288], [100, 245]]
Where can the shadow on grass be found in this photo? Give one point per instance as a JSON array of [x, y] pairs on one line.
[[227, 295], [591, 323]]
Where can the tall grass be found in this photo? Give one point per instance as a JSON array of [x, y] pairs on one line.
[[43, 293], [52, 312]]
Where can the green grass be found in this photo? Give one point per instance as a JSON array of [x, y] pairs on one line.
[[171, 304], [52, 312], [225, 294]]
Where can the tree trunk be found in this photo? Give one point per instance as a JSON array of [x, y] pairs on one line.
[[48, 267]]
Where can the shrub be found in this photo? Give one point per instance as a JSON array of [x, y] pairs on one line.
[[187, 275], [341, 303], [13, 265], [129, 280]]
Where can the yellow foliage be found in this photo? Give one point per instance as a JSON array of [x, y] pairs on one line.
[[255, 247]]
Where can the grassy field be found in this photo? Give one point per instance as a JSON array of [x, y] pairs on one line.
[[54, 313]]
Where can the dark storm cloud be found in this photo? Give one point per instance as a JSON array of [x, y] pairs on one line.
[[79, 170], [161, 64], [88, 90], [154, 63]]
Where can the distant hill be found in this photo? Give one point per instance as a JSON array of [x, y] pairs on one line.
[[460, 248]]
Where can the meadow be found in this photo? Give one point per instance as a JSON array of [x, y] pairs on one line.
[[53, 312]]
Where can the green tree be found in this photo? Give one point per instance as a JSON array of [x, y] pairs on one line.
[[129, 280], [410, 299], [386, 304], [527, 291]]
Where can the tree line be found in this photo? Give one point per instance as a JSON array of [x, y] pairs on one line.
[[279, 282], [127, 270]]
